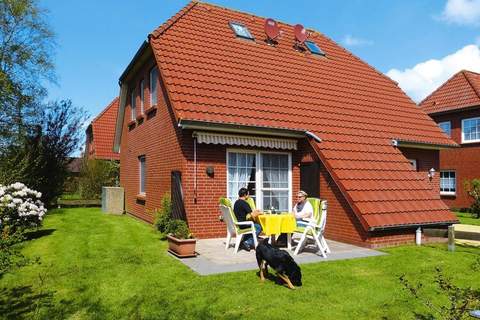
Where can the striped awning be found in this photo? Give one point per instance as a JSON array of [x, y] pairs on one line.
[[240, 140]]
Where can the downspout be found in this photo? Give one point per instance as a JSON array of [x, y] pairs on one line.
[[195, 168]]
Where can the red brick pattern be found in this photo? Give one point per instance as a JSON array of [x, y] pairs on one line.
[[103, 130], [460, 91], [465, 161]]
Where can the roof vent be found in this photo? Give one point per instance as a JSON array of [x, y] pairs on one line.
[[272, 31]]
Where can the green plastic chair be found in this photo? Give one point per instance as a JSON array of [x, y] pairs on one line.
[[251, 203], [315, 228], [233, 225]]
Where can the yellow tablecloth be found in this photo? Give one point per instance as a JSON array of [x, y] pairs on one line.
[[277, 223]]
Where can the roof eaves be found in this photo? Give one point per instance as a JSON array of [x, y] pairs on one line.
[[422, 144], [412, 225]]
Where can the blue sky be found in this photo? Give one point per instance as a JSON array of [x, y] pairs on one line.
[[418, 43]]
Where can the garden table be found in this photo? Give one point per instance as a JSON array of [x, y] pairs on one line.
[[276, 224]]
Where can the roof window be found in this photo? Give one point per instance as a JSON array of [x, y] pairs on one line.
[[314, 48], [241, 30]]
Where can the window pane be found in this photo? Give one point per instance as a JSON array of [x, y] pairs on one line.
[[142, 169], [275, 199], [471, 129], [241, 173], [448, 182], [153, 86], [133, 104], [142, 98]]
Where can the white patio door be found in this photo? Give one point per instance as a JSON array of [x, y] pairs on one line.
[[267, 176]]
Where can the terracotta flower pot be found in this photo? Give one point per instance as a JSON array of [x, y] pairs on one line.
[[182, 248]]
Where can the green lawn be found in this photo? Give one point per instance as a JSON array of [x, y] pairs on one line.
[[95, 266], [467, 218]]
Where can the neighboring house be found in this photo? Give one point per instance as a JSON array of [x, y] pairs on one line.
[[455, 106], [100, 134], [208, 106]]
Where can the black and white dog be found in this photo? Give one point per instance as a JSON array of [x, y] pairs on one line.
[[280, 260]]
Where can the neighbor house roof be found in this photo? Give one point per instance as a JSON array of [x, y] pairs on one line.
[[461, 91], [103, 129], [213, 76]]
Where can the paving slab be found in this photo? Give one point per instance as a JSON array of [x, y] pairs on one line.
[[212, 257]]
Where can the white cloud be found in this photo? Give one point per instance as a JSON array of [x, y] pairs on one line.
[[420, 80], [462, 12], [352, 41]]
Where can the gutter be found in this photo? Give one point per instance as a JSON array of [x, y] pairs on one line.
[[245, 129], [132, 62], [411, 226], [422, 145]]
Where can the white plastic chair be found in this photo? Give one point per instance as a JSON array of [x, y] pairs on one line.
[[314, 229], [233, 228]]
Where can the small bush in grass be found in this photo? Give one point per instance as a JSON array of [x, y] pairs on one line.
[[163, 215], [473, 189]]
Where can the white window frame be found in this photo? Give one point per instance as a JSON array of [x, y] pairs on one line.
[[449, 133], [413, 162], [142, 174], [133, 104], [448, 193], [153, 86], [259, 174], [463, 131], [142, 96]]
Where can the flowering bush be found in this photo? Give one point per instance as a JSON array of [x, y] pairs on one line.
[[20, 208]]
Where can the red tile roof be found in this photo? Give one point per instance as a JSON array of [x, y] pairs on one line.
[[213, 76], [103, 128], [462, 90]]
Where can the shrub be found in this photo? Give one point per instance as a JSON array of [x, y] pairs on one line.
[[96, 174], [21, 208], [179, 229], [164, 214], [473, 189]]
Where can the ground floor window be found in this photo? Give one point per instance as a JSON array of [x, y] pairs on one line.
[[142, 173], [448, 184], [267, 176]]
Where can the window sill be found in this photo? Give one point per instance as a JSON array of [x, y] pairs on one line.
[[448, 194], [151, 109], [469, 142], [141, 197], [131, 123], [140, 117]]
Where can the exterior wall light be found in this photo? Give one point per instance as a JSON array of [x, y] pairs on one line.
[[431, 173]]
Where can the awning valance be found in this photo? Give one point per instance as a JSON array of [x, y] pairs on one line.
[[239, 140]]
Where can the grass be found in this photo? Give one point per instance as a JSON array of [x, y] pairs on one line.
[[96, 266], [467, 218]]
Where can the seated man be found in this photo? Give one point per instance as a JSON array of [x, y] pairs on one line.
[[243, 212], [302, 209]]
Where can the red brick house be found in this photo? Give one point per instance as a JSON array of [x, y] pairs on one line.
[[100, 134], [216, 107], [455, 107]]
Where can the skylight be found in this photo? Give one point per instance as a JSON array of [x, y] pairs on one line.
[[241, 30], [314, 48]]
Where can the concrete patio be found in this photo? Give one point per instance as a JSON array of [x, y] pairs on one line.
[[212, 257]]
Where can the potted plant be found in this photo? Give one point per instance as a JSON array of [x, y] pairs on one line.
[[180, 240]]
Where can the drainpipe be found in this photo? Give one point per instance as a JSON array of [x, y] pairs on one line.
[[195, 168]]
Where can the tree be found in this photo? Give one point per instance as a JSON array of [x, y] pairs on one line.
[[473, 190], [40, 159], [96, 174], [26, 61]]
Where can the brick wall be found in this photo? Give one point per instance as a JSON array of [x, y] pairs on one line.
[[465, 161], [157, 137]]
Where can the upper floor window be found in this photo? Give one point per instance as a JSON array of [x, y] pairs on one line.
[[142, 96], [241, 30], [153, 86], [471, 130], [446, 127], [448, 183], [133, 104]]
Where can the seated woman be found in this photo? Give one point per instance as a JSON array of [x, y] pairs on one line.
[[302, 209]]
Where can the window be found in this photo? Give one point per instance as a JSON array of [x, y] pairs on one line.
[[314, 48], [446, 127], [413, 162], [448, 184], [266, 175], [133, 104], [142, 97], [241, 30], [142, 173], [471, 130], [153, 87]]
